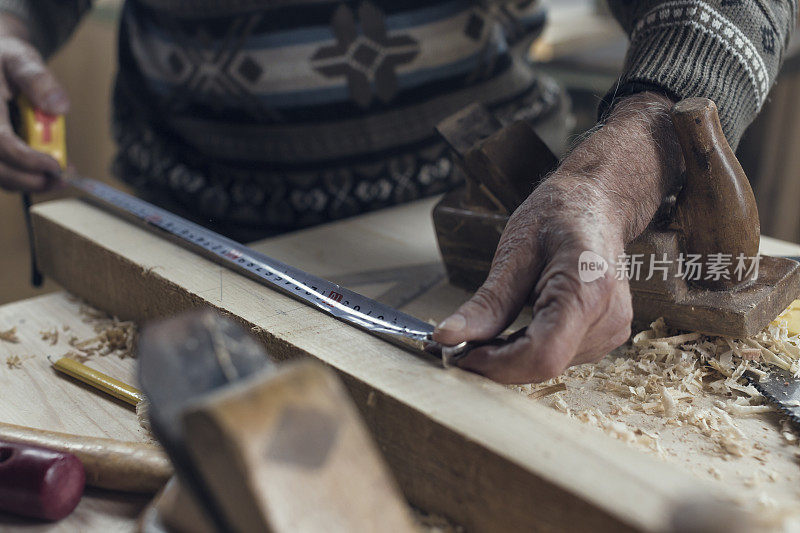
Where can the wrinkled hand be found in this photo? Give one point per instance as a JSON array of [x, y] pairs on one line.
[[22, 70], [602, 196]]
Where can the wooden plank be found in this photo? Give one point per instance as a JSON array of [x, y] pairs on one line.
[[458, 444]]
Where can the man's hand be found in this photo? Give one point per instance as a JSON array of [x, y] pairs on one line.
[[602, 196], [22, 70]]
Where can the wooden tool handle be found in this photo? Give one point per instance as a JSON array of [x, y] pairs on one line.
[[716, 209], [500, 163], [108, 463], [39, 482]]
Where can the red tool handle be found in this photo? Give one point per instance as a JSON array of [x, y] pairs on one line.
[[38, 482]]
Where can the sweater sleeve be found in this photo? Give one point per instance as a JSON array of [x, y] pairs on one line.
[[51, 22], [726, 50]]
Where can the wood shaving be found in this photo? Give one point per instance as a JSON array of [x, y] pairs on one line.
[[668, 403], [737, 409], [560, 404], [50, 336], [78, 356], [10, 335], [547, 391]]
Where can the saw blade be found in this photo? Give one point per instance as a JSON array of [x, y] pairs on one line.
[[781, 388]]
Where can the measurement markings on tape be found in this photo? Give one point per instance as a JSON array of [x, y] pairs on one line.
[[333, 299]]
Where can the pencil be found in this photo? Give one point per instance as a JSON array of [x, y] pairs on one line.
[[98, 380]]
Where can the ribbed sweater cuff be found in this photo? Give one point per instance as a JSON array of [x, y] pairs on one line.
[[695, 52]]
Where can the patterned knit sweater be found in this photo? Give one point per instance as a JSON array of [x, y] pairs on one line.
[[275, 114]]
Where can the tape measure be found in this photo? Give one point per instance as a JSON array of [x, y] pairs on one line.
[[47, 134], [43, 132]]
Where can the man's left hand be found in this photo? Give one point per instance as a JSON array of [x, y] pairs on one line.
[[602, 196]]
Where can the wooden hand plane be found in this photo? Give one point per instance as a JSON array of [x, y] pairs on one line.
[[258, 447], [709, 275]]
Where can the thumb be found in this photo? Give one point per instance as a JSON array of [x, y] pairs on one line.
[[493, 307], [25, 69]]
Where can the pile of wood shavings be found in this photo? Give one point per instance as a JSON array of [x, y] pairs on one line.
[[681, 396], [114, 336], [661, 372]]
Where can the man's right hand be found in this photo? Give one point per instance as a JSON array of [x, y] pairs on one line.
[[23, 71]]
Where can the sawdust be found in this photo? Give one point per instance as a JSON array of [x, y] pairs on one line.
[[683, 397], [10, 335]]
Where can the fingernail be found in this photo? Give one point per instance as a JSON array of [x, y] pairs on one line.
[[57, 102], [453, 323]]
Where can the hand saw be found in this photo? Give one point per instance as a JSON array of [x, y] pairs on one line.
[[779, 386], [47, 134]]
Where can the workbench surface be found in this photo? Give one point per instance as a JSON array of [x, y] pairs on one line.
[[391, 256]]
